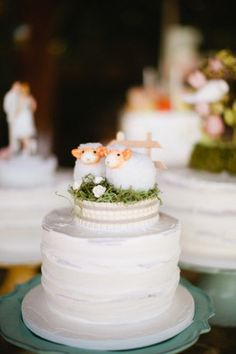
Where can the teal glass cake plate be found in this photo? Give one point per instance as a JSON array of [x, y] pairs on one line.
[[218, 280], [13, 329]]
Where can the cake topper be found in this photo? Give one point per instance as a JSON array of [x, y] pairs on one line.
[[128, 169], [90, 160], [20, 106], [114, 173], [147, 144], [150, 96], [213, 96]]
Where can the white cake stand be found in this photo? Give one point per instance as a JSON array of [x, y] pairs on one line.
[[13, 329], [218, 280], [40, 319]]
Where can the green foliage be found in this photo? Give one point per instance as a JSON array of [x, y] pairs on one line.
[[214, 158], [112, 194], [230, 117]]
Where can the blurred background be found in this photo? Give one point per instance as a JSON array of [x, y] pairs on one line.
[[81, 56]]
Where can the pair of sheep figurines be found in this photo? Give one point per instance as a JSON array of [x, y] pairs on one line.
[[121, 166]]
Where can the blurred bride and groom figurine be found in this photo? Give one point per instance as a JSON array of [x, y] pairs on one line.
[[19, 106]]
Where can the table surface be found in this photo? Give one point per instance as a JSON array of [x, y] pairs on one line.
[[217, 341]]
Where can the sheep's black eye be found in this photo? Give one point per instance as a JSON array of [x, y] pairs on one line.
[[118, 154], [83, 152], [94, 151]]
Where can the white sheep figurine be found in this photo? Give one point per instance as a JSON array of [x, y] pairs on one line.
[[126, 168], [90, 160]]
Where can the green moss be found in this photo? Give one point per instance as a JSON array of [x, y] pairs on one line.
[[112, 194], [214, 158]]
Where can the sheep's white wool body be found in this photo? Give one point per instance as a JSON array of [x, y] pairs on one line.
[[138, 173], [90, 145], [81, 169]]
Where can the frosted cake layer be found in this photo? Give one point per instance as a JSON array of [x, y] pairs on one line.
[[113, 278], [21, 213], [205, 203], [25, 171]]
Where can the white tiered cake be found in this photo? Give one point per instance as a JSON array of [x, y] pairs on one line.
[[28, 182], [203, 196], [148, 109], [205, 204], [177, 132], [21, 213], [110, 271]]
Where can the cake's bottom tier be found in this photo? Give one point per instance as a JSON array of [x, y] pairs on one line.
[[41, 320], [109, 278], [206, 206]]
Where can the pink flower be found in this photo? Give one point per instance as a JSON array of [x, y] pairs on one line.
[[215, 64], [202, 109], [214, 126], [197, 79]]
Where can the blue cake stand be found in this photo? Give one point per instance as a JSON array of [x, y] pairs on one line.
[[13, 329], [218, 280]]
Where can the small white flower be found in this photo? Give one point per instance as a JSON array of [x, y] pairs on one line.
[[76, 185], [98, 191], [98, 179]]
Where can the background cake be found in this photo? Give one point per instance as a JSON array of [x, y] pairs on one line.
[[150, 109], [205, 204], [98, 281], [21, 213], [28, 181], [202, 196]]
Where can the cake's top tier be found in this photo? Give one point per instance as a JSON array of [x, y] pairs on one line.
[[114, 188]]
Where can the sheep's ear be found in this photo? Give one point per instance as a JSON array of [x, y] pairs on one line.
[[127, 153], [102, 151], [76, 153]]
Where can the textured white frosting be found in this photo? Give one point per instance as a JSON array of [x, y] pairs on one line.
[[177, 131], [25, 171], [109, 278], [117, 217], [21, 214], [206, 205]]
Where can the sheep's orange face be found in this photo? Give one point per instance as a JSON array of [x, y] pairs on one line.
[[89, 155], [116, 158]]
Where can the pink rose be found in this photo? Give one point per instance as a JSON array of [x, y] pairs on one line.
[[197, 79], [214, 126], [215, 64], [202, 109]]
